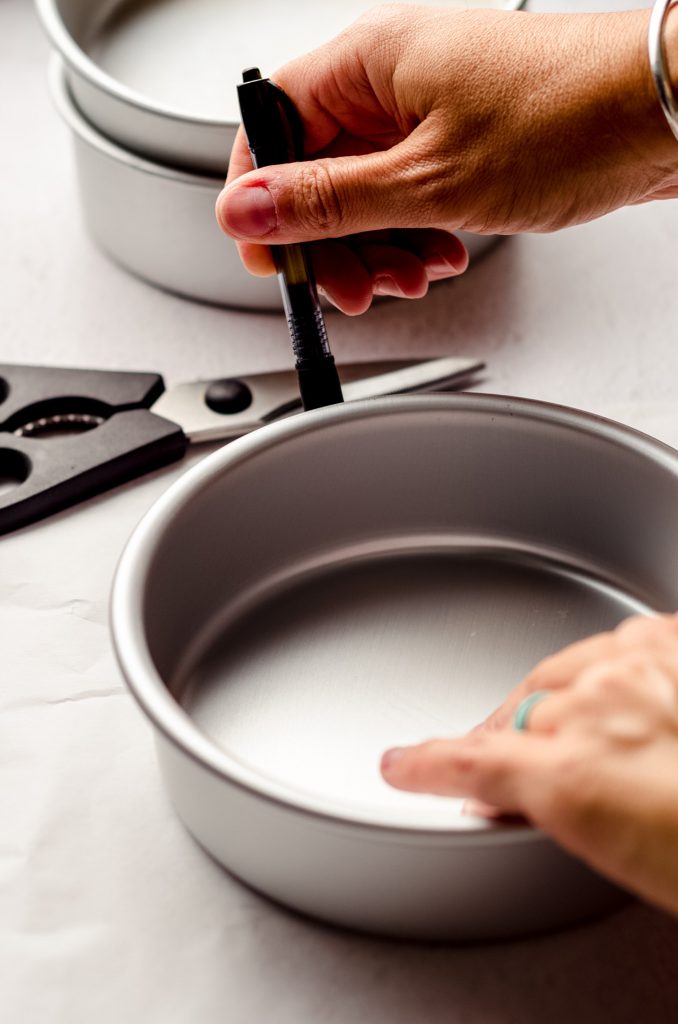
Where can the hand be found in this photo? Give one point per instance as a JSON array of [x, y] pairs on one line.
[[419, 122], [598, 767]]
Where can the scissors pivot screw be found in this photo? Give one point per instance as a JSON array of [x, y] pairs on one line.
[[228, 397]]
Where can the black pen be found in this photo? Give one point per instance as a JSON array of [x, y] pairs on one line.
[[275, 136]]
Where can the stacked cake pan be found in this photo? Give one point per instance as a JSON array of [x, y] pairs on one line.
[[148, 90]]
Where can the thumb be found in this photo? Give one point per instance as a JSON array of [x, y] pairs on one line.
[[329, 198]]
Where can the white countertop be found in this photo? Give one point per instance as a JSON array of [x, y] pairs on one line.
[[108, 911]]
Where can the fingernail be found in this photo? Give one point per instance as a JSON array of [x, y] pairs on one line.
[[384, 284], [437, 266], [391, 758], [326, 295], [247, 211], [477, 809]]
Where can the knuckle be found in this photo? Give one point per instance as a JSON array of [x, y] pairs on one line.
[[464, 764], [460, 760], [603, 680], [570, 796], [429, 183], [490, 775], [318, 205], [650, 630], [640, 629], [543, 674]]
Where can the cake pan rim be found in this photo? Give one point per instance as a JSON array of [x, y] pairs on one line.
[[78, 61], [91, 136]]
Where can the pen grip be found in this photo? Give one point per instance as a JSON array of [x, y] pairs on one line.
[[308, 333]]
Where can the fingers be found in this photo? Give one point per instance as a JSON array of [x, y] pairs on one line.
[[394, 271], [655, 630], [596, 768], [397, 263], [240, 161], [617, 705], [562, 669], [625, 700], [507, 770], [257, 259], [330, 198], [621, 686], [442, 253], [343, 277], [553, 673], [350, 272]]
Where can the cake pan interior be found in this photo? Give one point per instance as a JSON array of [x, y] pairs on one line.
[[372, 578], [326, 672]]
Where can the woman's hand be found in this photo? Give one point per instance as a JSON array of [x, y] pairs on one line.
[[422, 121], [597, 768]]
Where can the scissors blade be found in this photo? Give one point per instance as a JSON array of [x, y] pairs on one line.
[[432, 375], [264, 397]]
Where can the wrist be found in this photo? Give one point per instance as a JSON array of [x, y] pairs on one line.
[[662, 53], [651, 144], [615, 146]]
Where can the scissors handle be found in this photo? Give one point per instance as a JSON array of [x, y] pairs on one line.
[[111, 437]]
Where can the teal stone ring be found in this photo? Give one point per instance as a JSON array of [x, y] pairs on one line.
[[520, 719]]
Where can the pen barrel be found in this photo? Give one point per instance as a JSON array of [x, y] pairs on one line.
[[318, 378], [306, 323], [275, 135], [319, 383]]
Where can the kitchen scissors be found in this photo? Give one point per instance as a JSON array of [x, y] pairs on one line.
[[68, 434]]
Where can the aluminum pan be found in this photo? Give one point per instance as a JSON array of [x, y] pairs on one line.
[[155, 221], [177, 131], [290, 504], [382, 479], [149, 543]]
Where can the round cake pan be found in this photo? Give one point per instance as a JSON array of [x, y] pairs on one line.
[[159, 222], [155, 221], [160, 77], [368, 576]]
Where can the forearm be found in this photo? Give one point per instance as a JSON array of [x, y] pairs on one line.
[[593, 127]]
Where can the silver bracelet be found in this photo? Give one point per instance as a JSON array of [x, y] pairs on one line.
[[658, 63]]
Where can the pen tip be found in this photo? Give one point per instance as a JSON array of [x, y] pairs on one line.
[[251, 75]]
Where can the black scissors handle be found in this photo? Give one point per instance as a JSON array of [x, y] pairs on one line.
[[66, 435]]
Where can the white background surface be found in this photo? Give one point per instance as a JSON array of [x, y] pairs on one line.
[[108, 911]]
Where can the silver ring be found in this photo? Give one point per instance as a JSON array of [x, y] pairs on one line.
[[657, 50]]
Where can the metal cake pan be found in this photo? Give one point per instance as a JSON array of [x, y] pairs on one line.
[[159, 223], [155, 221], [160, 77], [372, 575]]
